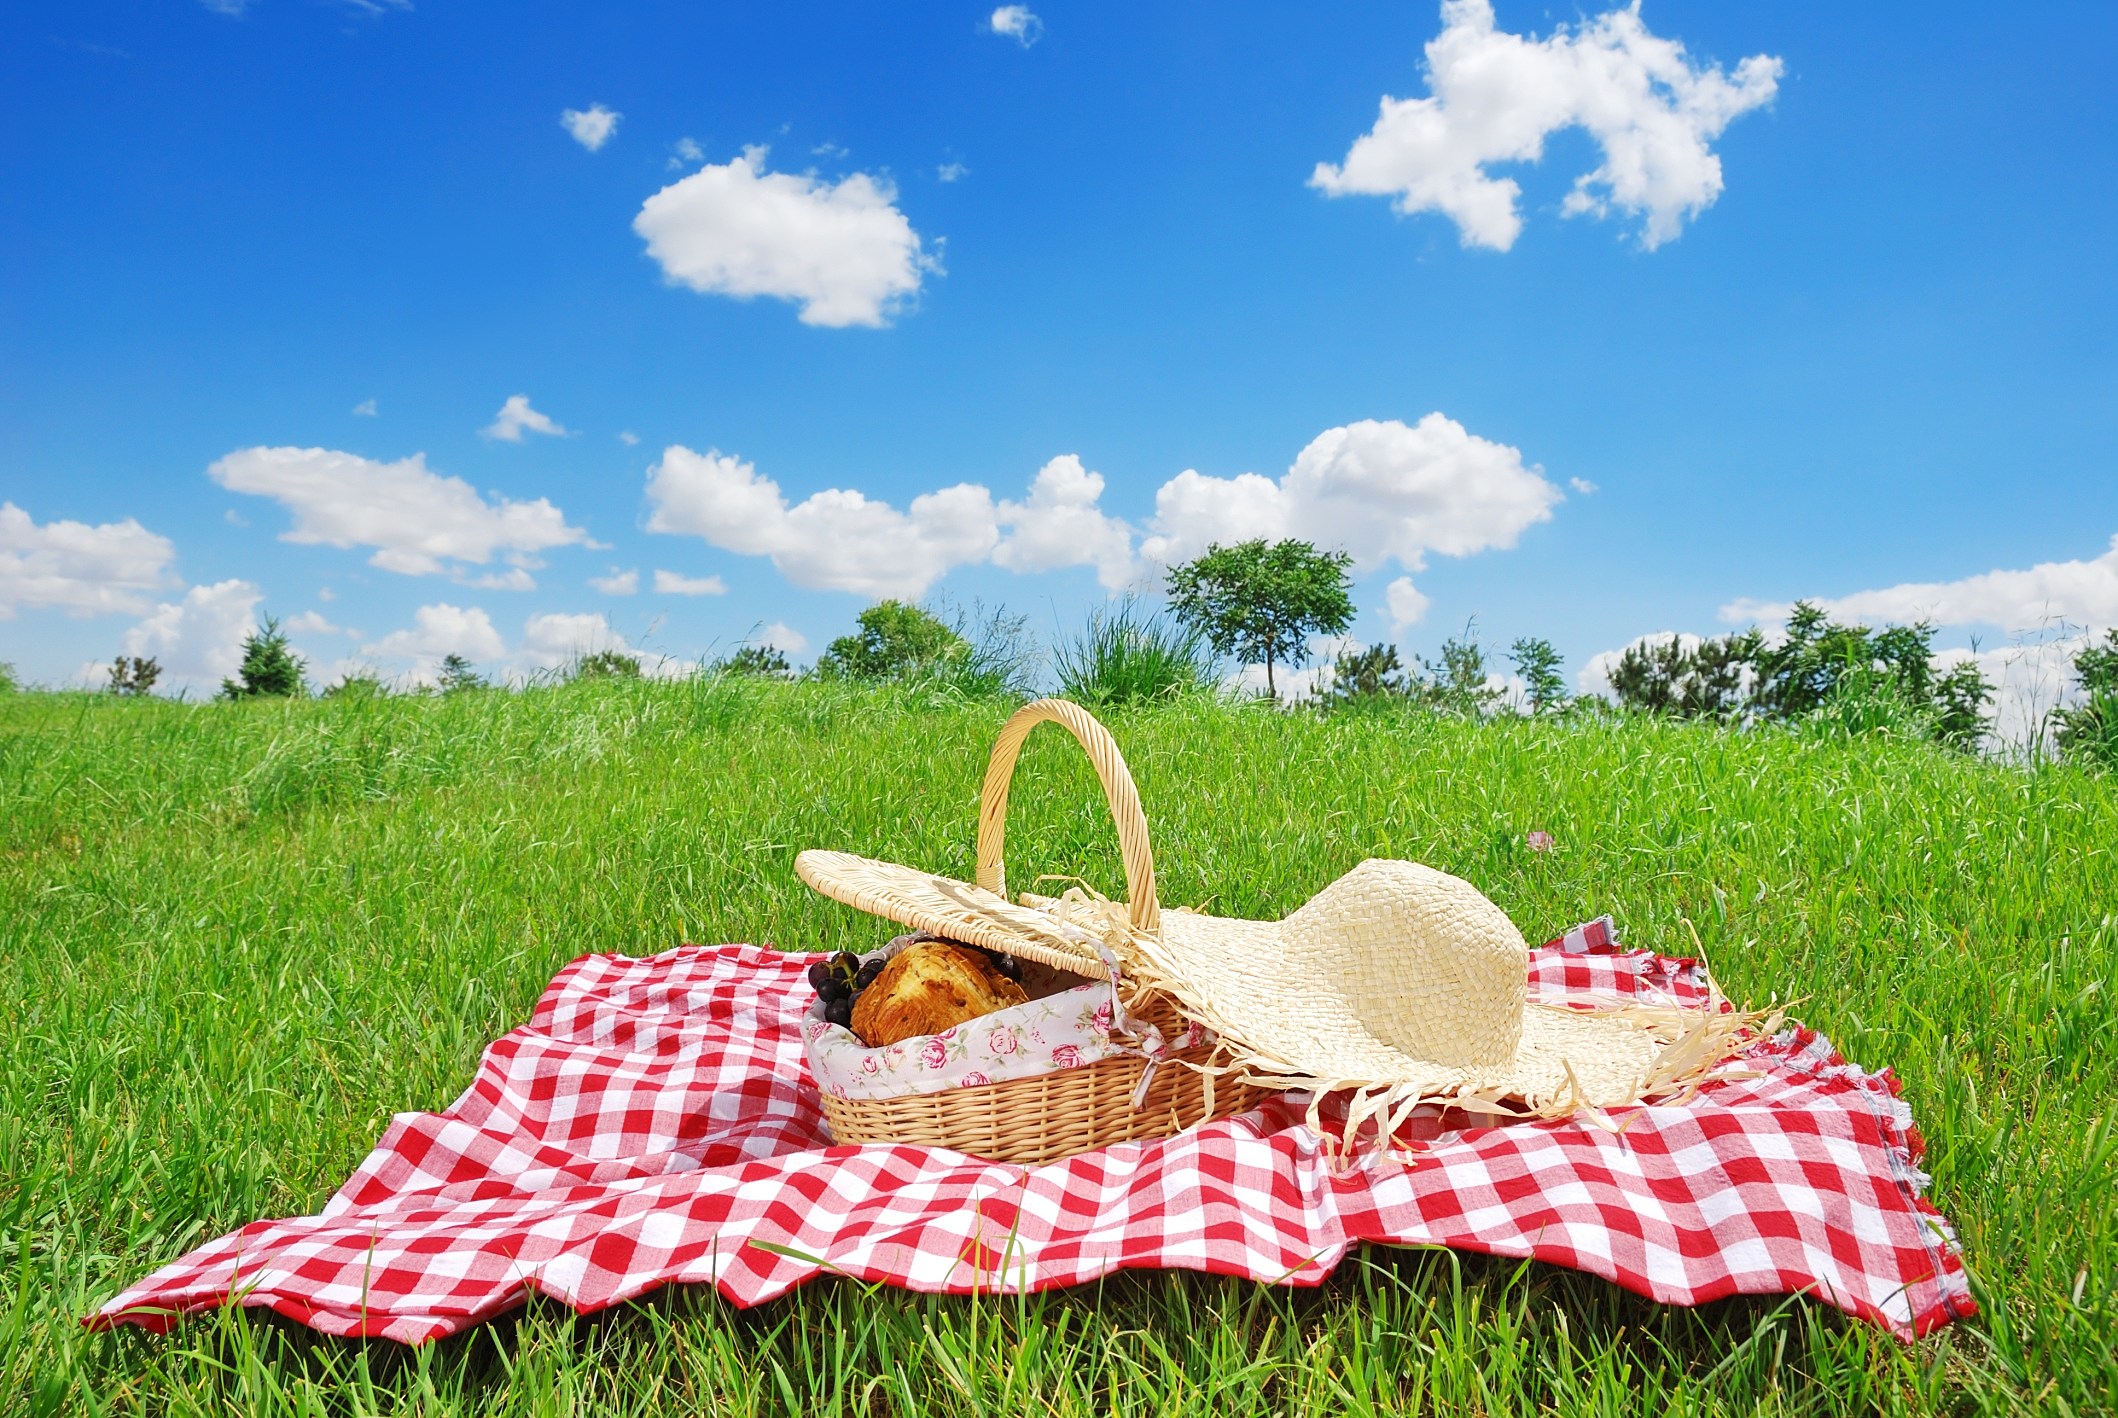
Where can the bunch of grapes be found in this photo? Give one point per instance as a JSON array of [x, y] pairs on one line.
[[839, 982]]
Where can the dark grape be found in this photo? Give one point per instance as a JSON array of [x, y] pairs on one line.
[[839, 1011], [833, 988], [867, 973], [845, 963], [819, 972]]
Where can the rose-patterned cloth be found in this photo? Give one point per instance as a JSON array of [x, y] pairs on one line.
[[1074, 1028]]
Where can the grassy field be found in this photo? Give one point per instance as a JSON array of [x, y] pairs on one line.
[[234, 939]]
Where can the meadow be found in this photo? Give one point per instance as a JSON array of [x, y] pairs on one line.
[[235, 938]]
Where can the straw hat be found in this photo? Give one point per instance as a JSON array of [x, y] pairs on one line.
[[1398, 982]]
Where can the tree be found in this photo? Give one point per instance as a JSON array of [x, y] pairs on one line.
[[607, 664], [1260, 602], [456, 674], [1538, 664], [758, 661], [129, 674], [1704, 681], [1961, 698], [1457, 684], [1364, 677], [2088, 732], [269, 670], [895, 641]]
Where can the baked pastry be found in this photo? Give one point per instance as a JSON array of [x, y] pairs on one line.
[[928, 987]]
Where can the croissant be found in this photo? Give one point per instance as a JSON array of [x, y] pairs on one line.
[[928, 987]]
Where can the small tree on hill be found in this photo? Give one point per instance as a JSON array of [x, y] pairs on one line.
[[1538, 664], [607, 664], [269, 670], [895, 641], [129, 674], [455, 674], [1365, 677], [758, 662], [2088, 732], [1458, 683], [1260, 601]]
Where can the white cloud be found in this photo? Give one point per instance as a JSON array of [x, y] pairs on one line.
[[1406, 603], [951, 172], [512, 579], [551, 642], [782, 637], [83, 569], [437, 631], [669, 583], [627, 437], [311, 623], [835, 540], [1496, 96], [1017, 23], [841, 250], [1582, 486], [2082, 592], [417, 520], [1061, 525], [1381, 490], [516, 415], [591, 127], [198, 641], [618, 583], [684, 152], [365, 409]]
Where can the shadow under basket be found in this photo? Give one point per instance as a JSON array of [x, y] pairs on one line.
[[1031, 1121]]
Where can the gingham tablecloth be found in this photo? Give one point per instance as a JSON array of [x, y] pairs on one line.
[[654, 1123]]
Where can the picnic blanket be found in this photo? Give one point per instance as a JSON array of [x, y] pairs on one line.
[[654, 1120]]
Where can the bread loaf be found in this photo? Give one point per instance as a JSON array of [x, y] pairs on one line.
[[928, 987]]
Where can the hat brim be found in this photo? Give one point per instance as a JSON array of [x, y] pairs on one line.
[[955, 909], [1287, 1025]]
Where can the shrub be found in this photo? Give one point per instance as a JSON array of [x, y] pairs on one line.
[[1260, 601], [1124, 656], [2088, 732], [358, 686], [894, 641], [269, 670], [1538, 664], [456, 674], [980, 654], [1707, 681], [8, 682], [133, 675], [606, 664], [757, 661]]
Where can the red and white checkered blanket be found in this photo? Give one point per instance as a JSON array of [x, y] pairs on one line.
[[653, 1123]]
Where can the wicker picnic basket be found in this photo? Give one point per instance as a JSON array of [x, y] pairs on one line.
[[1050, 1115]]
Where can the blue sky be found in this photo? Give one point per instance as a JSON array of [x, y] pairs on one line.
[[1794, 300]]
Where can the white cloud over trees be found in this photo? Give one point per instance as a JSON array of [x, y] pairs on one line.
[[198, 640], [1383, 490], [1494, 97], [419, 522], [80, 568], [2084, 592], [841, 250]]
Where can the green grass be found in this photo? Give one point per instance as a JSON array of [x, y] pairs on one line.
[[235, 938]]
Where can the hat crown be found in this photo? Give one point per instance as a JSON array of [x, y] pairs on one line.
[[1427, 963]]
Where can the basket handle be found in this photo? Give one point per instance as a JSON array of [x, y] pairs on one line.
[[1118, 791]]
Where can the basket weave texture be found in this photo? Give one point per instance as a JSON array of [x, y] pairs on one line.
[[1052, 1115]]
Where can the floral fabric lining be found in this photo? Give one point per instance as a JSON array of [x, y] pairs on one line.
[[1071, 1029]]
